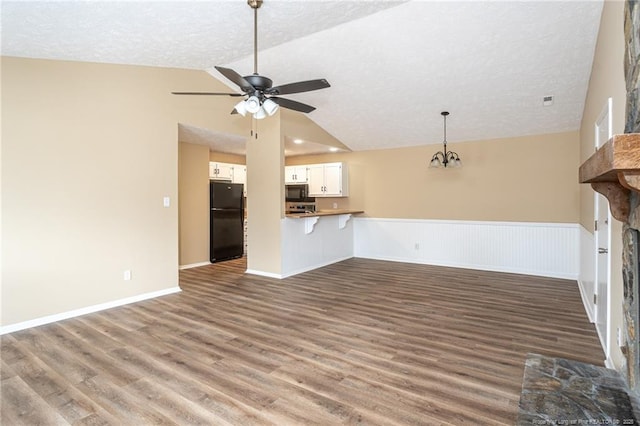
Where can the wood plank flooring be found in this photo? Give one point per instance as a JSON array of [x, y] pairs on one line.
[[358, 342]]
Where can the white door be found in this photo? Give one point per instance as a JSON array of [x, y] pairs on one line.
[[602, 271], [603, 132]]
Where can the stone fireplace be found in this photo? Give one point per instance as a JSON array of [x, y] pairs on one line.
[[631, 250]]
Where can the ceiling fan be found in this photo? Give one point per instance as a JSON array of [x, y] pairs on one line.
[[261, 99]]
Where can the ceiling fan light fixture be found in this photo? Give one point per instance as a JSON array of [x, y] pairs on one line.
[[252, 105], [241, 108], [260, 114], [270, 107]]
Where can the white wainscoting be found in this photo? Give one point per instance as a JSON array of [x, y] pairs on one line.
[[543, 249], [586, 280]]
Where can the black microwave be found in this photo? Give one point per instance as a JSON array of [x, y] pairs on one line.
[[297, 192]]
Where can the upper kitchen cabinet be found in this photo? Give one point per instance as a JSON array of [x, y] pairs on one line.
[[240, 176], [221, 171], [328, 180], [296, 174], [235, 173]]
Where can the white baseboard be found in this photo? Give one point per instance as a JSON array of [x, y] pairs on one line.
[[311, 268], [194, 265], [83, 311], [587, 302], [263, 274], [478, 267], [609, 363]]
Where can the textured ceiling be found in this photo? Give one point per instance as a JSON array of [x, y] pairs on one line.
[[393, 66]]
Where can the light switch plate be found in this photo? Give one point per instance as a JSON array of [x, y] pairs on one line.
[[166, 201]]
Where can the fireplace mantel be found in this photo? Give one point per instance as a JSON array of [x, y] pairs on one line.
[[614, 171]]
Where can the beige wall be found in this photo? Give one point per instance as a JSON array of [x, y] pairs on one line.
[[528, 179], [193, 180], [227, 158], [607, 80], [88, 153], [265, 197]]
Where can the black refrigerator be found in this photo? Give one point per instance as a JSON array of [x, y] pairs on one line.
[[226, 220]]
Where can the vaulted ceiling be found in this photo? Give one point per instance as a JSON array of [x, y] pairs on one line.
[[393, 66]]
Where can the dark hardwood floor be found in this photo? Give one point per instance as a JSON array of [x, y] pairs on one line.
[[358, 342]]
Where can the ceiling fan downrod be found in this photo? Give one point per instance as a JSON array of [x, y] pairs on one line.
[[261, 99], [255, 5]]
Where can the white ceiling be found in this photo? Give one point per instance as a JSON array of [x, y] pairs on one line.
[[393, 66]]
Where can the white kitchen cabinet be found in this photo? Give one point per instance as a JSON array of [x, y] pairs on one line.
[[295, 174], [221, 171], [240, 176], [328, 180]]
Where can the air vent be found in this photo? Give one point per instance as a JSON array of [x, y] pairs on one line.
[[547, 101]]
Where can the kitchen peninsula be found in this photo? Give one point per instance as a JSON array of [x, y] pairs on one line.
[[334, 212], [313, 240]]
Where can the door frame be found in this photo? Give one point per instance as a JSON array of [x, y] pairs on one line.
[[603, 131]]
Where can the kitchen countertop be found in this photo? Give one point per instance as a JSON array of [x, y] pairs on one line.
[[333, 212]]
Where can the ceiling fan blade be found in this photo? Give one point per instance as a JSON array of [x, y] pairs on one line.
[[207, 93], [294, 105], [236, 78], [299, 87]]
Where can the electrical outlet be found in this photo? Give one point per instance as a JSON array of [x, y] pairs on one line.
[[335, 205], [417, 246], [127, 275]]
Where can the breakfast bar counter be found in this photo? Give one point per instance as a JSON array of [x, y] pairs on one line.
[[313, 240], [334, 212]]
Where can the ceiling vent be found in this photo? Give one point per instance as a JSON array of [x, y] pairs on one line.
[[547, 101]]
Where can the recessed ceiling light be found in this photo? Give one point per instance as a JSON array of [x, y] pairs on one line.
[[298, 141], [333, 149]]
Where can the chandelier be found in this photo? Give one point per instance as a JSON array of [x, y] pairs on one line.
[[445, 158]]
